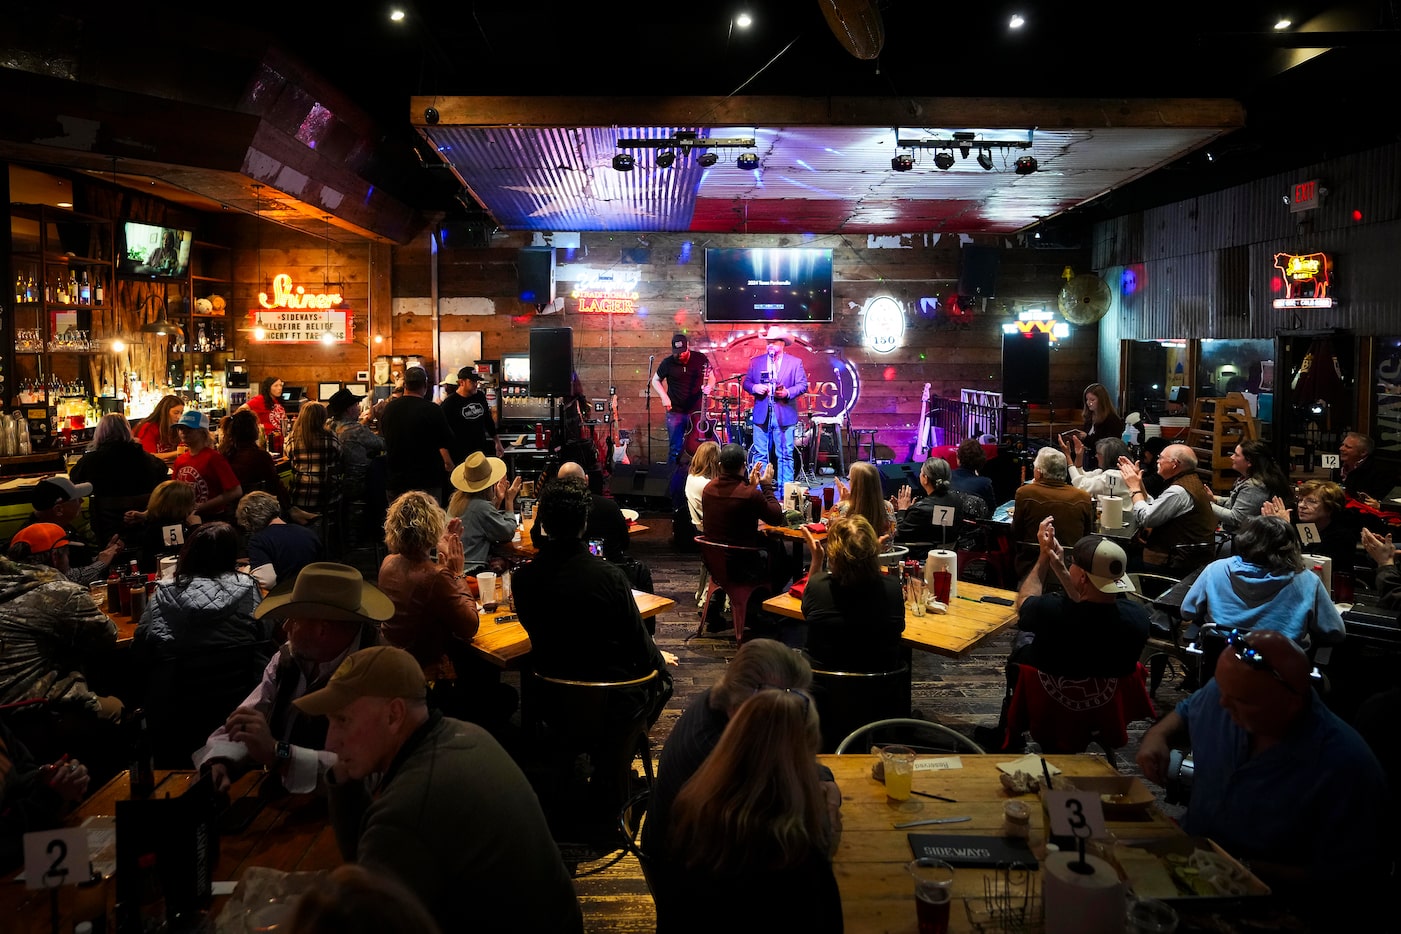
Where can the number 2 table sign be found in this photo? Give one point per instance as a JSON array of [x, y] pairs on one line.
[[54, 858]]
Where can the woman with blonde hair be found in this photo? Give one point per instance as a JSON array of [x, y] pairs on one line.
[[705, 466], [315, 454], [865, 497], [157, 433], [435, 614], [164, 525], [855, 614], [753, 823]]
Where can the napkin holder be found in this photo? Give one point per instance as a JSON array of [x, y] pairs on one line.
[[177, 832]]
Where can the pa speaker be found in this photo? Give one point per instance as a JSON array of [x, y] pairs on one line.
[[535, 274], [977, 271], [551, 361], [1026, 367]]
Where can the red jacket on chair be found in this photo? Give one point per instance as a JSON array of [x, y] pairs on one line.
[[1064, 714]]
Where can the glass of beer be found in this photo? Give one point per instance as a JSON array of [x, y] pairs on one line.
[[933, 893]]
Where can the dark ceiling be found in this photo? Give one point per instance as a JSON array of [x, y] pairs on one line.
[[1302, 104]]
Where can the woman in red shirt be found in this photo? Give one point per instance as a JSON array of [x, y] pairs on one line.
[[267, 405], [157, 431], [217, 490]]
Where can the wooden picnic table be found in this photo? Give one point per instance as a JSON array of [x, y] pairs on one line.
[[504, 643]]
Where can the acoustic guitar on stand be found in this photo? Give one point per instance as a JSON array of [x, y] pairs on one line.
[[922, 442], [701, 429]]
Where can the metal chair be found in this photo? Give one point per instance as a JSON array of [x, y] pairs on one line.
[[629, 827], [847, 699], [920, 735], [742, 572], [589, 733], [1165, 640]]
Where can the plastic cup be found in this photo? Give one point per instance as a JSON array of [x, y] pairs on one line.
[[828, 495], [914, 594], [933, 894], [1149, 916], [943, 582], [98, 590], [486, 587], [899, 765]]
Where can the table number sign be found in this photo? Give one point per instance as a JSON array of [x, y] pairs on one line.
[[1308, 534], [1075, 814], [53, 858], [943, 515], [1329, 461]]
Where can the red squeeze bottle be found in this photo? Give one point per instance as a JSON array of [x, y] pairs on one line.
[[539, 435]]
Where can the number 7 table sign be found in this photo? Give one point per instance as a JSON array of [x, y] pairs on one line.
[[54, 858]]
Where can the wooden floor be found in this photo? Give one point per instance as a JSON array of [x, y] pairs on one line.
[[960, 693]]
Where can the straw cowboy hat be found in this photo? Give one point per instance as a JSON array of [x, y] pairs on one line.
[[778, 334], [478, 472], [326, 590]]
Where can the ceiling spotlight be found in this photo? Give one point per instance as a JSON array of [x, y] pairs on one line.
[[749, 161], [944, 160], [707, 159], [903, 162], [396, 15], [744, 21], [1025, 165], [623, 162], [985, 159], [1283, 24], [1016, 22], [666, 159]]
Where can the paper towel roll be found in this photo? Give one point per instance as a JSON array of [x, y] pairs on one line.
[[1111, 514], [941, 559], [1322, 565], [1081, 904]]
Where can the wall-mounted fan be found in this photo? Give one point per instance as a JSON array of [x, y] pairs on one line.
[[857, 25], [1084, 299]]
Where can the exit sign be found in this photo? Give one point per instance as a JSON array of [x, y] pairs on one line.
[[1304, 196]]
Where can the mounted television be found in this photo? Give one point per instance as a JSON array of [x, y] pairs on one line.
[[754, 285], [154, 252]]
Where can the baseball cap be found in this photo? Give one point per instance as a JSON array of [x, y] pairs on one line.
[[1104, 563], [51, 491], [679, 342], [193, 419], [41, 537], [415, 377], [379, 671], [469, 372]]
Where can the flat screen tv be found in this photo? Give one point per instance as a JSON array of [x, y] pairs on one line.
[[758, 285], [155, 252], [515, 367]]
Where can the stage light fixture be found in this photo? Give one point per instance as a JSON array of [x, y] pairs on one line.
[[944, 160], [623, 162], [707, 159], [748, 161], [985, 159], [903, 162], [1025, 165], [666, 159]]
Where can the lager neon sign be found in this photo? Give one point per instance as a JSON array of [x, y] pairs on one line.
[[607, 295], [284, 296]]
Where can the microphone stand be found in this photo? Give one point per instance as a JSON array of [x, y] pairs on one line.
[[648, 406]]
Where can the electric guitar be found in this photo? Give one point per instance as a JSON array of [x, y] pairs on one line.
[[620, 443], [922, 441]]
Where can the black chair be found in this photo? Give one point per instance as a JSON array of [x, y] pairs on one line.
[[630, 826], [922, 736], [187, 698], [1165, 641], [847, 699], [588, 732]]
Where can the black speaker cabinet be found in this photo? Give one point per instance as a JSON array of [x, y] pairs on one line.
[[551, 361], [1026, 367], [977, 271], [535, 274], [894, 476]]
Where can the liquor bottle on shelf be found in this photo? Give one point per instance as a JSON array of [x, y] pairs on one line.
[[85, 290], [60, 290], [48, 292], [31, 290], [201, 341], [19, 288], [97, 293], [219, 337], [72, 287]]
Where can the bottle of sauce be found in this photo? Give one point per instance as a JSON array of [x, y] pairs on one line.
[[143, 763], [114, 590]]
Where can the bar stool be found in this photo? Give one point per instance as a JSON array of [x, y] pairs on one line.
[[819, 426], [868, 439]]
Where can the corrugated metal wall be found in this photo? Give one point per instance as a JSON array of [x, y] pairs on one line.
[[1207, 264]]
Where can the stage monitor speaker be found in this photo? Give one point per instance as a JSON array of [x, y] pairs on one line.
[[894, 476], [535, 274], [551, 361], [1026, 367], [977, 271]]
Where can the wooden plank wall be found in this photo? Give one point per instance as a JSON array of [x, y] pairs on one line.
[[477, 291]]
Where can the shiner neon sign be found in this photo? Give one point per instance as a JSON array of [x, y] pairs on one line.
[[284, 296]]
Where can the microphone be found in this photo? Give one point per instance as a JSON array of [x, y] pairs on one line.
[[650, 358]]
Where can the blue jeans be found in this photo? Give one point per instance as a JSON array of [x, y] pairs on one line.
[[676, 425], [766, 439]]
